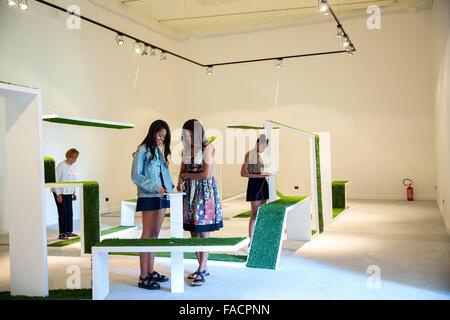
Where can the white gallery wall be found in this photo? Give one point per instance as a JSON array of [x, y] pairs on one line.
[[441, 37], [84, 73], [377, 105]]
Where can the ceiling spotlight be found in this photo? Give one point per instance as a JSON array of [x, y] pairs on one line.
[[138, 48], [339, 32], [346, 41], [145, 52], [119, 39], [152, 51], [23, 5], [12, 3], [279, 63], [163, 56], [209, 70], [324, 7], [350, 52]]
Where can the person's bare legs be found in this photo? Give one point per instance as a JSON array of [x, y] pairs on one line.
[[203, 256], [151, 226]]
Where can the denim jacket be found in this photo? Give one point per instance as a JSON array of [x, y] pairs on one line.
[[145, 173]]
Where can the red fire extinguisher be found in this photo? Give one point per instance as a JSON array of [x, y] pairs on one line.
[[409, 191]]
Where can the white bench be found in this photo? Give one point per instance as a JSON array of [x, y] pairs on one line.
[[100, 257]]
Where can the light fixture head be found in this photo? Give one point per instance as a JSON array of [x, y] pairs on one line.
[[163, 56], [12, 3], [138, 48], [119, 39], [324, 7], [339, 32], [152, 51], [346, 42], [279, 63], [209, 70], [145, 51], [23, 4]]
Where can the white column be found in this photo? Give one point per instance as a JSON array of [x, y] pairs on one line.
[[25, 169], [298, 225], [177, 272], [176, 215], [100, 274], [81, 199], [176, 231], [127, 211]]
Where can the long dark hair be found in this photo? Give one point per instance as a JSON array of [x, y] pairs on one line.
[[150, 139], [194, 126]]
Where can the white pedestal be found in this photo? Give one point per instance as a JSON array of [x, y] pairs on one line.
[[23, 161]]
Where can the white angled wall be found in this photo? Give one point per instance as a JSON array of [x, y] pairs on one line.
[[441, 37]]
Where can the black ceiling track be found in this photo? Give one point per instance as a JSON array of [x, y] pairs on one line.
[[210, 65]]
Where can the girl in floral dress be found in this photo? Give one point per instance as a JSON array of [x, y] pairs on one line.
[[202, 207]]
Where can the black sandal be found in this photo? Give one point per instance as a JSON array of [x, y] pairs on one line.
[[155, 276], [147, 283], [198, 280], [194, 274]]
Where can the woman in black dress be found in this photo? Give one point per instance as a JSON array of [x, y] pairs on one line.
[[257, 188]]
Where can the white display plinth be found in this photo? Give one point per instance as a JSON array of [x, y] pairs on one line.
[[23, 190]]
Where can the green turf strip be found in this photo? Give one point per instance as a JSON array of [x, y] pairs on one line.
[[49, 169], [62, 120], [338, 194], [105, 232], [288, 199], [337, 211], [170, 242], [61, 294], [192, 256], [267, 234]]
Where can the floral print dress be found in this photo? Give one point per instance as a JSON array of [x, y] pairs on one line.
[[202, 207]]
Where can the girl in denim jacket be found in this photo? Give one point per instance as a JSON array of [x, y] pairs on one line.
[[150, 173]]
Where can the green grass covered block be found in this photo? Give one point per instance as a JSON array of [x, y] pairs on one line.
[[170, 242], [267, 235], [60, 294], [338, 194], [91, 208], [49, 170], [337, 211]]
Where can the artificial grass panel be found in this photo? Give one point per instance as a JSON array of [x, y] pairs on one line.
[[337, 211], [245, 214], [288, 199], [267, 235], [338, 194], [64, 243], [192, 256], [49, 170], [87, 123], [319, 183], [170, 242], [60, 294], [245, 127], [91, 208]]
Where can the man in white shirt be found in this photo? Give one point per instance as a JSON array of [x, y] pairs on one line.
[[66, 172]]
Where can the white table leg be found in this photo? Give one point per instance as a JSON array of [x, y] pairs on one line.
[[100, 275], [177, 272], [127, 214]]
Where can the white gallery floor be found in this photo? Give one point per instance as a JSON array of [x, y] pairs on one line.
[[405, 241]]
